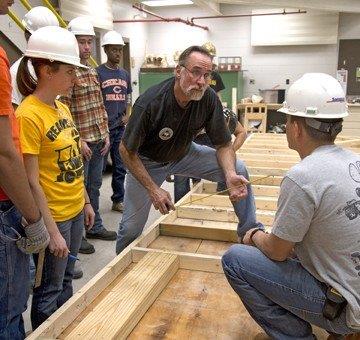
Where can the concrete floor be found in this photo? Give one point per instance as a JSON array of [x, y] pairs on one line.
[[104, 250]]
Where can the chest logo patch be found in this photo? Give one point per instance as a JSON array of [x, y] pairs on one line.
[[166, 133]]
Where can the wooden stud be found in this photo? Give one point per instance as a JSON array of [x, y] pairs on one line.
[[120, 311]]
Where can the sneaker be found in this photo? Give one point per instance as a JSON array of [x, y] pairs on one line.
[[118, 206], [78, 273], [103, 235], [86, 247]]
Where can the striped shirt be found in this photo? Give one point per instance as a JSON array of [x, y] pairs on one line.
[[87, 107]]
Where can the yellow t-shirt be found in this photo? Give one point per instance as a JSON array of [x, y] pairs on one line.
[[51, 134]]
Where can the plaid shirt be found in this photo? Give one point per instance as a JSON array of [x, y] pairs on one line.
[[87, 106]]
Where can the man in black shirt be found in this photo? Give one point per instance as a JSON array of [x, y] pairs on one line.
[[158, 141]]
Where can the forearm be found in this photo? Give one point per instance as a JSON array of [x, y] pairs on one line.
[[271, 249], [14, 182], [136, 167], [239, 141], [41, 201], [226, 158]]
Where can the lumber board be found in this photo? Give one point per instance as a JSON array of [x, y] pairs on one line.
[[206, 214], [260, 190], [216, 248], [189, 261], [200, 229], [67, 313], [265, 150], [273, 180], [270, 164], [182, 244], [262, 202], [121, 310], [268, 145], [265, 171], [266, 156]]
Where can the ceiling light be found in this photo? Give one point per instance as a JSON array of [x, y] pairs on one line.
[[159, 3]]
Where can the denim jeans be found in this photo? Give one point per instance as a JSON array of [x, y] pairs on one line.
[[93, 180], [199, 162], [14, 274], [56, 283], [182, 184], [282, 297], [118, 168]]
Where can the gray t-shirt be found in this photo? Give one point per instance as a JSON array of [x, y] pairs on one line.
[[319, 210]]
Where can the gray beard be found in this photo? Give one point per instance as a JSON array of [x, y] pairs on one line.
[[195, 94]]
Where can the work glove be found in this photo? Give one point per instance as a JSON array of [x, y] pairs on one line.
[[37, 238]]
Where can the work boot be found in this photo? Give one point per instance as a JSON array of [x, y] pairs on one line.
[[86, 247], [78, 273], [103, 234], [118, 206]]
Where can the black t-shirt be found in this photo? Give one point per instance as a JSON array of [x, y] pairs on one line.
[[161, 130], [216, 82]]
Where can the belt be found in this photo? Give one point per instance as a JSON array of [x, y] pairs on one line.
[[96, 142]]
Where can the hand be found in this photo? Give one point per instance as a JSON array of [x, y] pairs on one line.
[[237, 185], [104, 150], [58, 246], [246, 239], [37, 238], [85, 151], [125, 119], [161, 200], [89, 216]]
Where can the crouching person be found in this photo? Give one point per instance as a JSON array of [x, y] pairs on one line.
[[320, 283]]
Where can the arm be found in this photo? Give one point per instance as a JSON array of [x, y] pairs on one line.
[[13, 178], [89, 215], [272, 246], [236, 183], [240, 136], [57, 243], [160, 198]]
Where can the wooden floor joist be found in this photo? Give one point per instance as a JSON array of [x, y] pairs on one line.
[[169, 283]]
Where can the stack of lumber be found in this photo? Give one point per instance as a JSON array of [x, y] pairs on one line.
[[169, 282]]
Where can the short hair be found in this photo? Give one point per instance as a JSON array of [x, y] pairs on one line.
[[184, 56], [315, 134]]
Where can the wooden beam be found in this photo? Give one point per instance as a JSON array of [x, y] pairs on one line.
[[349, 143], [208, 5], [261, 190], [66, 314], [189, 261], [119, 312], [274, 180], [206, 214], [268, 151], [265, 171], [266, 157], [262, 202], [207, 230]]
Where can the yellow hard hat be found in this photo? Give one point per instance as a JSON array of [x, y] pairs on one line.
[[210, 47]]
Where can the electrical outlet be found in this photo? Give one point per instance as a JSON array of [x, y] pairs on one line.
[[252, 81], [287, 81]]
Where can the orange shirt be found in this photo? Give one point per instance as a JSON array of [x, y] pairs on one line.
[[6, 108]]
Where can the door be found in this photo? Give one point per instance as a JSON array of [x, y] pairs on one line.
[[349, 59]]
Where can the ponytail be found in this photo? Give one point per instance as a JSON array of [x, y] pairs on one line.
[[25, 80]]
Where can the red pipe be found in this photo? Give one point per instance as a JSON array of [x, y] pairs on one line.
[[246, 15]]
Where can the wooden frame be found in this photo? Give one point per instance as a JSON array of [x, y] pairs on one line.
[[191, 239]]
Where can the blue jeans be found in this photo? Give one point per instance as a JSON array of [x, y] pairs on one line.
[[282, 297], [56, 283], [199, 162], [182, 184], [118, 168], [14, 274], [93, 180]]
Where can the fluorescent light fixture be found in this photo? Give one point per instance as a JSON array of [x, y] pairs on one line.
[[160, 3]]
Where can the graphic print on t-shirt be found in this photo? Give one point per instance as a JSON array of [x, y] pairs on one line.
[[69, 159], [355, 257]]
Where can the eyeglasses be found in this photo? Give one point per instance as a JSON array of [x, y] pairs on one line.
[[197, 74]]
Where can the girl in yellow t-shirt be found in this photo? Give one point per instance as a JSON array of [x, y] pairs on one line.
[[52, 158]]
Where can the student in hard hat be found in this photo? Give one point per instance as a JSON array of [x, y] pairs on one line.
[[51, 146], [87, 107], [17, 238], [116, 89], [318, 220], [36, 18]]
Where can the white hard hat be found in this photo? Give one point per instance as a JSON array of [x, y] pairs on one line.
[[81, 26], [54, 43], [112, 38], [316, 95], [39, 17]]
